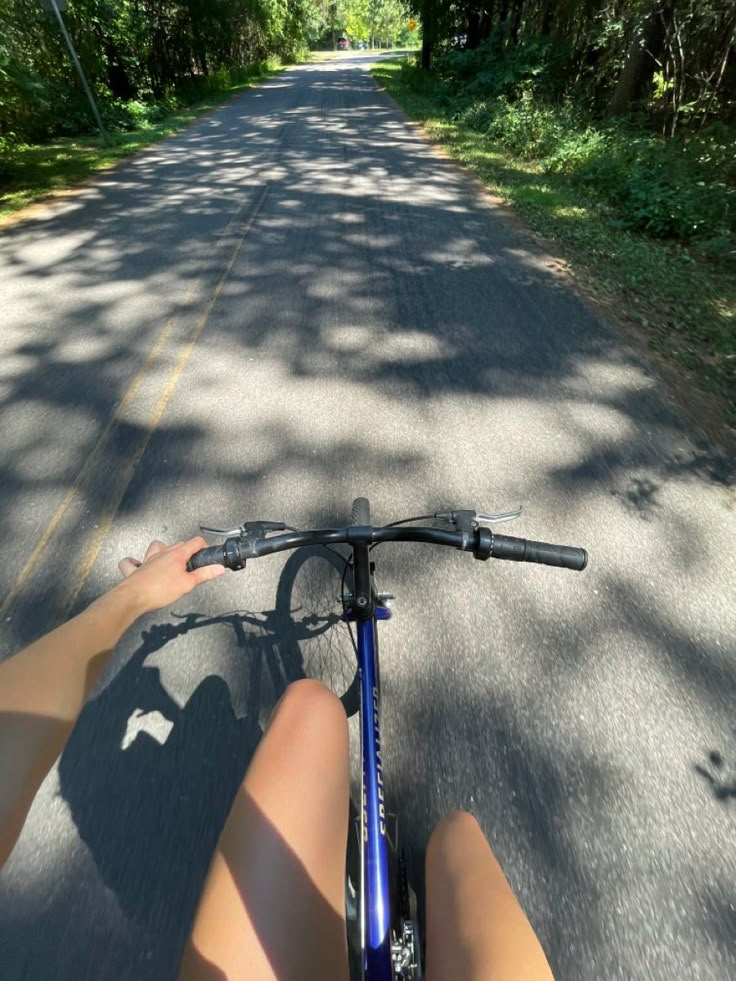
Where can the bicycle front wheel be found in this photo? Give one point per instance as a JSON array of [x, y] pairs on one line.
[[317, 641]]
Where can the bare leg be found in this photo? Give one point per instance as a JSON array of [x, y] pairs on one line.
[[273, 906], [476, 929]]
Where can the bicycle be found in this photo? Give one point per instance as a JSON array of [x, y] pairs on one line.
[[389, 948]]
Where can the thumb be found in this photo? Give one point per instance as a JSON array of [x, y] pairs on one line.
[[127, 566]]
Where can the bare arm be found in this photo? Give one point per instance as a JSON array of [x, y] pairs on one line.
[[44, 687]]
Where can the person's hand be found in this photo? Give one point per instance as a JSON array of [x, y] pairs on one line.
[[162, 578]]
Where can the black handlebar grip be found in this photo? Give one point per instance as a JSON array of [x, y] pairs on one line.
[[521, 550], [214, 555]]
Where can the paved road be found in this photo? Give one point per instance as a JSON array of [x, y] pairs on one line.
[[291, 303]]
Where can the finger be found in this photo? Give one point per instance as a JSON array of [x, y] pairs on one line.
[[207, 573], [128, 566], [153, 549], [192, 546]]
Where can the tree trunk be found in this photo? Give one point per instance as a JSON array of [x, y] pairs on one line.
[[486, 20], [426, 53], [515, 25], [429, 18], [472, 36], [479, 23], [548, 15], [117, 78], [642, 59], [716, 84]]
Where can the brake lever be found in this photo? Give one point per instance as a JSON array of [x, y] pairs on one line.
[[248, 529], [466, 520], [227, 532], [494, 519]]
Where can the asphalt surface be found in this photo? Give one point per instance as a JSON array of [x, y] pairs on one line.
[[294, 302]]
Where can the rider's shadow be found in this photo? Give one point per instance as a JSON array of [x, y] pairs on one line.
[[149, 780]]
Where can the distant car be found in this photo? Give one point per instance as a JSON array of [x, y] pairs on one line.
[[343, 44]]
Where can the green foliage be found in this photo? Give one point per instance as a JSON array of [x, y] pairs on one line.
[[683, 188], [538, 64], [531, 129], [121, 116], [31, 171], [373, 21], [674, 189], [671, 59], [142, 58], [424, 82]]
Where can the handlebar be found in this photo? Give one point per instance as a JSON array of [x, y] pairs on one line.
[[522, 550], [482, 542]]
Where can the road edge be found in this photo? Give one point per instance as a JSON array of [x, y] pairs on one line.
[[703, 410]]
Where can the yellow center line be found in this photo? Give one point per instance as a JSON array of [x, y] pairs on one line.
[[89, 464], [91, 552], [96, 453]]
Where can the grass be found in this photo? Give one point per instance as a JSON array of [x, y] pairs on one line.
[[35, 171], [330, 55], [683, 302]]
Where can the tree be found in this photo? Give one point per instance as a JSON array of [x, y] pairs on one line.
[[676, 57], [644, 55], [147, 49]]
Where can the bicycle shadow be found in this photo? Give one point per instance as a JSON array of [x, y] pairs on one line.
[[150, 778]]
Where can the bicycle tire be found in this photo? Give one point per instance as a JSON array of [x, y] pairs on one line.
[[361, 511], [316, 640]]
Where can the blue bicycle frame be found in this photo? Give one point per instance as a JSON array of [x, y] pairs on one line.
[[470, 534], [375, 903]]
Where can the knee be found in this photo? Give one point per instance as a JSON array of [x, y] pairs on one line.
[[308, 695], [311, 709], [456, 828], [456, 823]]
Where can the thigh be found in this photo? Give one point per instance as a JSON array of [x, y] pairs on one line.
[[273, 906], [476, 929]]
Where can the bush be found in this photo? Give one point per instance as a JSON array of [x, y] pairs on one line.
[[479, 115], [121, 116], [529, 129], [683, 188], [532, 130], [10, 148], [577, 151], [665, 189], [223, 79], [538, 64]]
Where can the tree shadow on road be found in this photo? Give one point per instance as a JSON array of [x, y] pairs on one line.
[[466, 341], [720, 774]]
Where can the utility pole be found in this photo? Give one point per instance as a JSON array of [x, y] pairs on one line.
[[56, 6]]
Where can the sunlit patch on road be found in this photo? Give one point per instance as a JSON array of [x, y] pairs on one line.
[[153, 724]]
